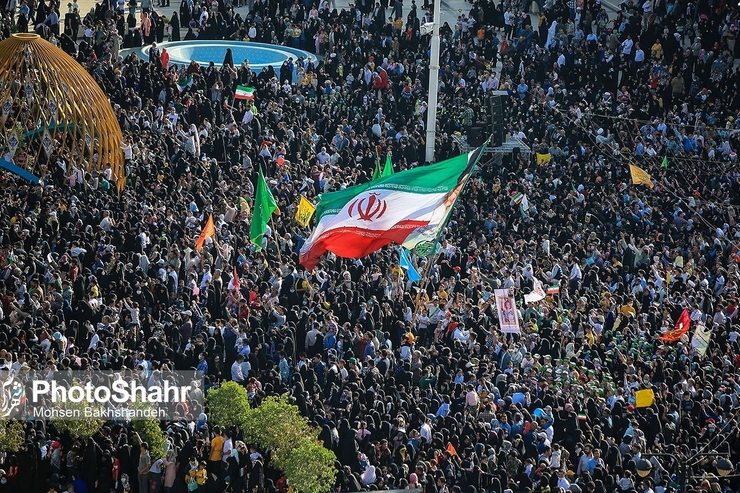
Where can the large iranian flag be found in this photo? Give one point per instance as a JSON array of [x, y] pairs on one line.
[[406, 208]]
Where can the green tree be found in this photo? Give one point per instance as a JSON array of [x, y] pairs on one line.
[[84, 424], [278, 426], [228, 405], [149, 431], [310, 467], [12, 435]]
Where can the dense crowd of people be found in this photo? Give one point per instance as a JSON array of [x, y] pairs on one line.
[[411, 384]]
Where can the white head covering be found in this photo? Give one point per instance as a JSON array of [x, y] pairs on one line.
[[368, 477]]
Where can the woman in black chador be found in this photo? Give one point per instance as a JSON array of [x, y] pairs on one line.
[[228, 59]]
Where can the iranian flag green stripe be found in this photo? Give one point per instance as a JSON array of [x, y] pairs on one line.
[[407, 208]]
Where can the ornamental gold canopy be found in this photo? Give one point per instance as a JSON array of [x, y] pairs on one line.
[[52, 108]]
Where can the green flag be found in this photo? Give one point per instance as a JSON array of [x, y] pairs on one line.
[[388, 169], [377, 173], [264, 206], [664, 164]]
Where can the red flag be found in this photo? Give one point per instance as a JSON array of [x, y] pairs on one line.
[[208, 230], [451, 449], [235, 284], [682, 328]]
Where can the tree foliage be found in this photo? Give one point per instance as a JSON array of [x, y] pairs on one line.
[[84, 426], [12, 435], [310, 467], [150, 432], [278, 426], [228, 405]]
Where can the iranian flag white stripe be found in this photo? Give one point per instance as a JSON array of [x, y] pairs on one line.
[[406, 208], [243, 92]]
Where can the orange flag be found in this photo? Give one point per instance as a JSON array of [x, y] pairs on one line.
[[451, 449], [208, 230]]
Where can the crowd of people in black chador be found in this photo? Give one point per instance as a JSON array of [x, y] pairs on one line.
[[411, 384]]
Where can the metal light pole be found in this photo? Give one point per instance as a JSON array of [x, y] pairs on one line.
[[433, 84]]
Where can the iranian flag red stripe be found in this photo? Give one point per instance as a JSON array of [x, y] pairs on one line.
[[355, 242], [406, 208]]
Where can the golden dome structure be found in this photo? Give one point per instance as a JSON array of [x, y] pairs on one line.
[[51, 109]]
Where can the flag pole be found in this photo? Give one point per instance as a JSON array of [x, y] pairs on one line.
[[277, 242], [432, 259], [435, 254]]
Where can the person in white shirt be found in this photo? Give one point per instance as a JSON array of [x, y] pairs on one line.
[[343, 373], [733, 335], [128, 150], [15, 368], [236, 369], [627, 46], [461, 334], [322, 156], [426, 431], [556, 457], [107, 224], [76, 251], [227, 448], [248, 116], [575, 276], [563, 481]]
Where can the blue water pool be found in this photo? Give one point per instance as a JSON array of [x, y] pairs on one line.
[[259, 54]]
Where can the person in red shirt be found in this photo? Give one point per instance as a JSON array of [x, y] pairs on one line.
[[115, 473]]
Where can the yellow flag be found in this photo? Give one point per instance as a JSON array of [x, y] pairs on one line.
[[543, 158], [640, 176], [304, 212], [644, 398]]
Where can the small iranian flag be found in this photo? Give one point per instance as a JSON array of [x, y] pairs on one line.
[[184, 82], [553, 289], [517, 197], [243, 92], [407, 208]]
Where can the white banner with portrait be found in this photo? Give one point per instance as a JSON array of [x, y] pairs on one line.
[[507, 312]]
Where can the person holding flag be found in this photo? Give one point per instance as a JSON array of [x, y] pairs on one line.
[[264, 207]]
